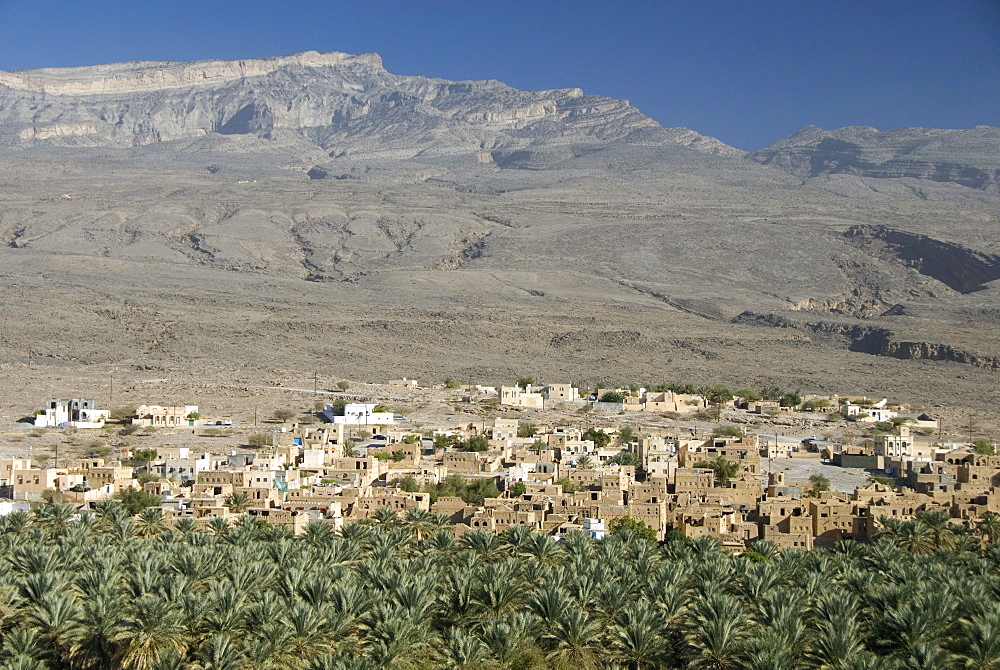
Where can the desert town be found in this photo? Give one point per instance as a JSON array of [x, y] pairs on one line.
[[680, 461]]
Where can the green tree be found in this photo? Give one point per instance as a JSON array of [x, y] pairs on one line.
[[145, 455], [626, 525], [527, 430], [283, 415], [584, 462], [258, 440], [723, 468], [568, 485], [451, 384], [597, 435], [239, 502], [476, 443], [519, 489], [525, 382], [407, 483], [728, 431], [790, 399], [984, 447], [613, 397], [626, 434], [718, 395], [136, 500], [771, 393], [820, 483]]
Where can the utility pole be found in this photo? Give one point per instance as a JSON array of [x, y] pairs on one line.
[[111, 398], [255, 416], [970, 427], [315, 382]]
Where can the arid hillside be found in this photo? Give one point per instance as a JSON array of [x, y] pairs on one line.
[[194, 218]]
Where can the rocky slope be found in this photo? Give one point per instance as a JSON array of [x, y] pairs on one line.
[[970, 158], [344, 104]]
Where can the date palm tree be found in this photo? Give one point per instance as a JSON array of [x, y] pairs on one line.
[[463, 650], [239, 502], [989, 527], [635, 636], [575, 640], [151, 628], [150, 522]]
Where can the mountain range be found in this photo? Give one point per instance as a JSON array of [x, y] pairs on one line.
[[315, 210]]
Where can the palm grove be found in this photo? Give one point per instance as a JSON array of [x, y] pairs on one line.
[[110, 590]]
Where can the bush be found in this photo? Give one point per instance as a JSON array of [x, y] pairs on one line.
[[97, 449], [613, 397], [122, 414], [728, 431], [881, 479], [260, 440]]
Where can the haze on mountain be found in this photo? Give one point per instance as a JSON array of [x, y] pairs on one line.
[[316, 210]]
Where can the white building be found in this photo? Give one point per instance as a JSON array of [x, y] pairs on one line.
[[594, 528], [868, 414], [73, 413], [358, 414], [518, 397]]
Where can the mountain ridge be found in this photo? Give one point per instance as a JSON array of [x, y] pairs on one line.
[[340, 102]]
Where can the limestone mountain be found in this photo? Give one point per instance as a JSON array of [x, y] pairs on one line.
[[344, 104]]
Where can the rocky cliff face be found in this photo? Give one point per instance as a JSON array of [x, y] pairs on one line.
[[345, 104], [969, 158]]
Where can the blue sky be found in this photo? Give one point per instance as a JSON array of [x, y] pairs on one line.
[[748, 73]]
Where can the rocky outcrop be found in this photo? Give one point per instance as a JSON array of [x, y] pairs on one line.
[[873, 340], [968, 158], [341, 103], [960, 268]]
